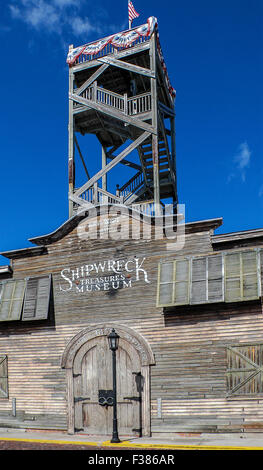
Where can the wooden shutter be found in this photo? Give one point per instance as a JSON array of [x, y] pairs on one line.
[[3, 377], [182, 282], [230, 277], [244, 369], [173, 283], [250, 273], [242, 276], [215, 279], [37, 296], [12, 296], [199, 293], [165, 284], [207, 279]]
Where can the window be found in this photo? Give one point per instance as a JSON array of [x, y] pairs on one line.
[[3, 377], [218, 277], [244, 370]]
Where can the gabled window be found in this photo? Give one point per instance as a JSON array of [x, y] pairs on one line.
[[244, 370], [219, 277], [3, 377]]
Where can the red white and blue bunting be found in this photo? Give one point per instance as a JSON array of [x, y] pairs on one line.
[[122, 40]]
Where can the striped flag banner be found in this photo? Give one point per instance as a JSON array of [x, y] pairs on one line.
[[132, 13]]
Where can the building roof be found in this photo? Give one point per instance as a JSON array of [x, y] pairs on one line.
[[238, 239]]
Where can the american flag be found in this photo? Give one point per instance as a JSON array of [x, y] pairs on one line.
[[132, 12]]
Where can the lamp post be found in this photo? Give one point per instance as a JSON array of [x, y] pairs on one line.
[[113, 339]]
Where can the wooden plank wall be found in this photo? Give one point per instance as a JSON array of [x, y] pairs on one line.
[[188, 385]]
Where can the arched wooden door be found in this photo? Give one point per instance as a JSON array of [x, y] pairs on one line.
[[92, 376]]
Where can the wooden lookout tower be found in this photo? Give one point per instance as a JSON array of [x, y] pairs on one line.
[[119, 91]]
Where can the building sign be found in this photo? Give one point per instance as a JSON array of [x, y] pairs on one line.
[[109, 275]]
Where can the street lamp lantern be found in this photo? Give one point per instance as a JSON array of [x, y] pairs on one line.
[[113, 339]]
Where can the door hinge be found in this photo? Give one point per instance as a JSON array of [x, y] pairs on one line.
[[77, 399], [132, 398]]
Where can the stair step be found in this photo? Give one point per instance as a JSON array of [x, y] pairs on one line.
[[162, 161], [148, 147], [162, 174], [149, 156]]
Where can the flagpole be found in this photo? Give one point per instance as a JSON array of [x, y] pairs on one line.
[[131, 13], [130, 23]]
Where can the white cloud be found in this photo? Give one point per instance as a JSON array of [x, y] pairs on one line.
[[37, 13], [242, 162], [82, 25], [56, 16], [66, 3], [15, 11], [242, 159]]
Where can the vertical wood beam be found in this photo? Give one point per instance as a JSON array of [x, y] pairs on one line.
[[70, 400], [146, 402], [155, 154], [103, 164], [71, 163], [81, 156], [173, 151]]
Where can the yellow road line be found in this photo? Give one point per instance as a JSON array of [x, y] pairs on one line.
[[177, 446]]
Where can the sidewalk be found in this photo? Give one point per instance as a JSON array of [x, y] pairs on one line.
[[248, 441]]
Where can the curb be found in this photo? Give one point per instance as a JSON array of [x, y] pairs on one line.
[[130, 446]]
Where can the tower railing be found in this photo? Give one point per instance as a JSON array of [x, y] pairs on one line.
[[131, 106], [96, 195], [133, 185]]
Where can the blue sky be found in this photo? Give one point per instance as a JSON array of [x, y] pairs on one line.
[[213, 52]]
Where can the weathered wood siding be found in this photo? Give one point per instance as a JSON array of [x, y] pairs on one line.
[[188, 382]]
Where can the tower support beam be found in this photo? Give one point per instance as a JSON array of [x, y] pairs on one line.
[[127, 66], [71, 163], [155, 154], [113, 163], [90, 80]]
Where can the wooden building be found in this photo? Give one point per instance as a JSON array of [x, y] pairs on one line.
[[187, 310]]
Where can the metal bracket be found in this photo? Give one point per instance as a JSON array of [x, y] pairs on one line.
[[77, 399], [132, 398]]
